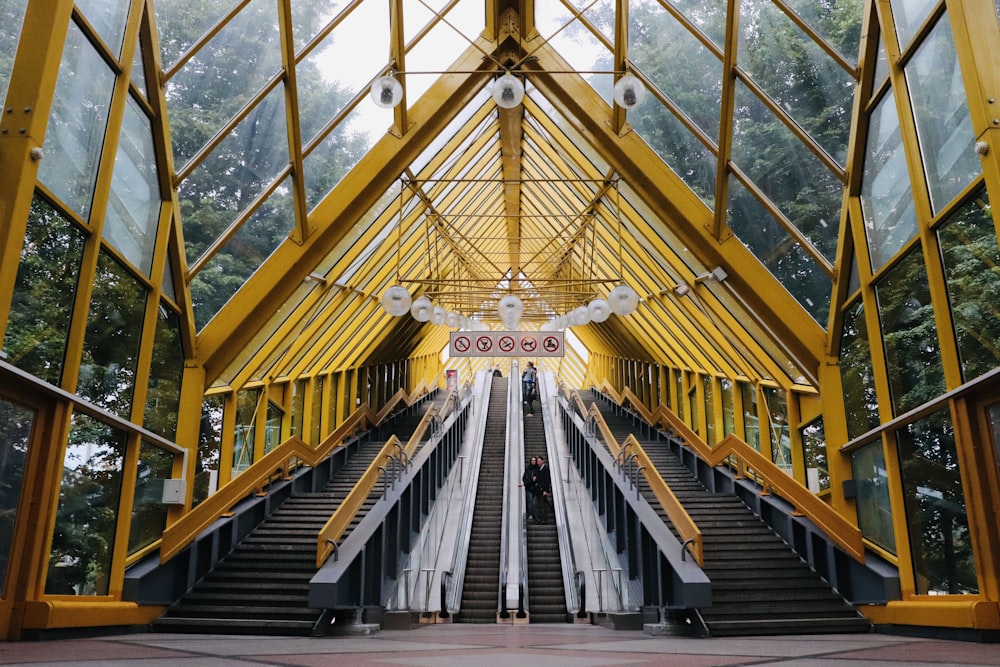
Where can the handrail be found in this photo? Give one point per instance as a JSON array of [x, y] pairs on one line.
[[768, 475], [682, 521], [182, 532], [335, 526]]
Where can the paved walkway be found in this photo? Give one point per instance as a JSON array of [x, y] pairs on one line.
[[497, 646]]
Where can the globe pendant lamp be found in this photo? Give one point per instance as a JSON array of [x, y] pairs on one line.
[[629, 92], [599, 310], [623, 300], [387, 92], [421, 309], [438, 315], [508, 91], [397, 301]]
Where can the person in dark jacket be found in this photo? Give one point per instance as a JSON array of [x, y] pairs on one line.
[[543, 492], [528, 482], [529, 387]]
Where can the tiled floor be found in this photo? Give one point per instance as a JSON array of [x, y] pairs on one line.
[[497, 646]]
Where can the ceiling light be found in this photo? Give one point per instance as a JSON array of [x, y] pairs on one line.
[[599, 310], [623, 300], [629, 92], [439, 315], [508, 91], [397, 301], [421, 309], [387, 91]]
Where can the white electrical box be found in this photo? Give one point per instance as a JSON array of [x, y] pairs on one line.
[[174, 491]]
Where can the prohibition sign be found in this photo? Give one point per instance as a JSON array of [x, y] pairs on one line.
[[506, 343], [551, 343], [528, 344], [484, 343], [462, 344]]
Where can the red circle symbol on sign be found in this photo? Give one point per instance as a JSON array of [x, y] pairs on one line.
[[506, 343], [484, 343], [551, 343], [462, 344], [528, 344]]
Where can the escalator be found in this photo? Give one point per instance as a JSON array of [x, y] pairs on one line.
[[546, 595], [760, 586], [481, 586]]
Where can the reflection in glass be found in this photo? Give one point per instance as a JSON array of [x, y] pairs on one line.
[[272, 429], [111, 344], [784, 257], [886, 197], [710, 432], [134, 199], [165, 374], [243, 254], [83, 538], [993, 413], [11, 18], [107, 19], [940, 542], [139, 71], [908, 15], [40, 312], [681, 66], [912, 352], [873, 506], [881, 65], [814, 456], [179, 27], [679, 388], [787, 173], [298, 407], [206, 471], [693, 411], [781, 442], [856, 375], [751, 429], [149, 513], [220, 79], [798, 74], [16, 422], [970, 256], [329, 161], [246, 419], [944, 128], [75, 134], [234, 175], [316, 436], [728, 407], [837, 22]]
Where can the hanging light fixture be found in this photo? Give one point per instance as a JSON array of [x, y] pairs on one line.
[[599, 310], [421, 309], [629, 92], [387, 91], [623, 300], [508, 91], [438, 315], [396, 301]]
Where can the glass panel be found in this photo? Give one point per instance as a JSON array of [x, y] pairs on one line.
[[912, 352], [243, 254], [970, 256], [206, 472], [787, 173], [881, 65], [332, 159], [577, 44], [111, 344], [134, 200], [679, 388], [308, 18], [317, 411], [438, 49], [728, 407], [11, 18], [680, 149], [873, 506], [235, 174], [779, 252], [708, 17], [108, 20], [298, 407], [941, 110], [221, 78], [856, 375], [814, 456], [246, 418], [165, 375], [332, 407], [710, 430], [84, 535], [181, 23], [272, 429], [940, 543], [149, 513], [40, 311], [342, 65], [678, 64], [167, 286], [75, 134], [781, 442], [993, 413], [693, 411], [908, 15], [797, 73], [139, 71], [886, 199], [751, 429], [16, 422], [837, 22]]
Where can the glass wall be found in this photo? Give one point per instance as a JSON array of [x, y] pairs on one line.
[[871, 480], [814, 455], [16, 424]]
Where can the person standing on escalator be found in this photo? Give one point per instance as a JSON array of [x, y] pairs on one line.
[[529, 387], [543, 492]]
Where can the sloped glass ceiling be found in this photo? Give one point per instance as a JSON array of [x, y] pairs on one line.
[[257, 147]]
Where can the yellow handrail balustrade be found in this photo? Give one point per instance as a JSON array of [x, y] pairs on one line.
[[335, 526], [767, 474], [183, 531], [689, 532]]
